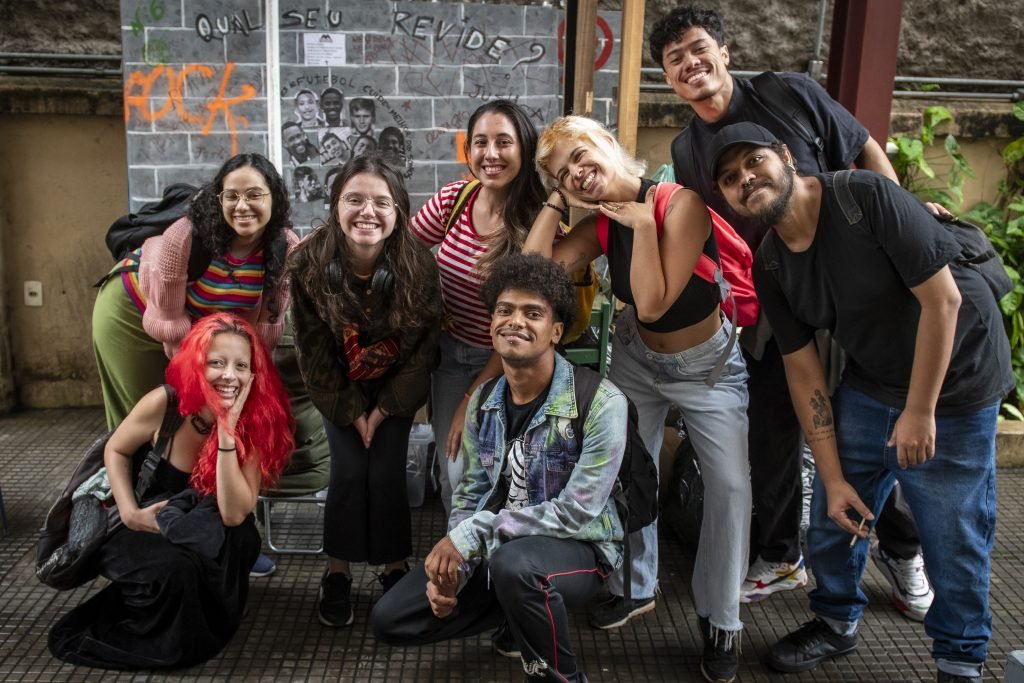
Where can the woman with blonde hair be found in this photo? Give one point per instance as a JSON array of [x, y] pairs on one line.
[[668, 341]]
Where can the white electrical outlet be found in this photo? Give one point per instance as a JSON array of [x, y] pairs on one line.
[[33, 293]]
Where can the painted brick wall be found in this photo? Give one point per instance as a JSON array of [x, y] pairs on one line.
[[196, 72]]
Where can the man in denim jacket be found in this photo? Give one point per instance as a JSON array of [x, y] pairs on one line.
[[533, 528]]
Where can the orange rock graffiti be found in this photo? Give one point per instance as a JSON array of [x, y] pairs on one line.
[[165, 81]]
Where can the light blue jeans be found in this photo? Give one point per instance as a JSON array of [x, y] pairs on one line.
[[953, 498], [716, 421], [460, 364]]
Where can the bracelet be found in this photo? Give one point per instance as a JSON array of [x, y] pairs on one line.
[[561, 195], [227, 450], [552, 206]]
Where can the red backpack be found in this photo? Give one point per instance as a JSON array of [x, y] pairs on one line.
[[734, 277]]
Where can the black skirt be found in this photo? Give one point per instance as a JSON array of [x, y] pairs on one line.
[[166, 606]]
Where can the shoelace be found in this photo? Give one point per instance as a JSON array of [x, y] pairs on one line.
[[912, 571]]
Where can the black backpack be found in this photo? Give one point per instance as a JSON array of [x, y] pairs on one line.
[[128, 232], [782, 101], [976, 251], [636, 487]]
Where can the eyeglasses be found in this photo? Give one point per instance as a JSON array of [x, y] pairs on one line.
[[251, 197], [383, 206]]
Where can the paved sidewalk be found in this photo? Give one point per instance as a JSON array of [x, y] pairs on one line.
[[282, 640]]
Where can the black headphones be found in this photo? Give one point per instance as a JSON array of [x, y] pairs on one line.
[[382, 282]]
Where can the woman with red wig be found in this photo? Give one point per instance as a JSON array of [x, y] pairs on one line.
[[175, 603]]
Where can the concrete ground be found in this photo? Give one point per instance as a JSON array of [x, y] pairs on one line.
[[282, 640]]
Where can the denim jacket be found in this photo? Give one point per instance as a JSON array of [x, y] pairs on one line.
[[569, 487]]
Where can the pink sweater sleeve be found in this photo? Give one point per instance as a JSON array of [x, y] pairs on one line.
[[270, 332], [163, 273]]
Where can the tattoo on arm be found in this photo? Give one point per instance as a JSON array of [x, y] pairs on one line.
[[819, 436], [822, 412], [668, 210]]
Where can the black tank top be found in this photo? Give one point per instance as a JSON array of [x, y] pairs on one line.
[[698, 298]]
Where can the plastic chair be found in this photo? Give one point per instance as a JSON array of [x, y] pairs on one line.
[[600, 318]]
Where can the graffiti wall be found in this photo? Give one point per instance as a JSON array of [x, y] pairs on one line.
[[353, 76]]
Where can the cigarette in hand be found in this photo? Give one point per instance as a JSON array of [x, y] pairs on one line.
[[853, 541]]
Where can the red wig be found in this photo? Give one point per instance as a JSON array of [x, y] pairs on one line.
[[265, 426]]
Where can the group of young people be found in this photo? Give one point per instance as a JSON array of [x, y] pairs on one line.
[[381, 323]]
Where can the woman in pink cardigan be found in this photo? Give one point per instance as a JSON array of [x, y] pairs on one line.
[[227, 254]]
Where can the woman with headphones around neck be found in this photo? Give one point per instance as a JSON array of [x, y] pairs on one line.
[[366, 311]]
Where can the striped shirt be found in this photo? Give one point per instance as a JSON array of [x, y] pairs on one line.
[[229, 284], [464, 311]]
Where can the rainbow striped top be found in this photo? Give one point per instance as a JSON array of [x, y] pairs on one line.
[[229, 284]]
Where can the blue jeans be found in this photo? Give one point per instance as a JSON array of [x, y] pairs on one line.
[[460, 364], [953, 498], [716, 421]]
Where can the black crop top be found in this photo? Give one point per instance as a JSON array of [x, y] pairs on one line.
[[698, 298]]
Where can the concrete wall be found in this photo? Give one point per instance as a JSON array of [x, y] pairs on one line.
[[62, 183]]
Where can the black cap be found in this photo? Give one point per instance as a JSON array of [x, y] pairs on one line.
[[744, 133]]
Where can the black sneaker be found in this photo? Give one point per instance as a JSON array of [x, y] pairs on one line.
[[335, 608], [388, 581], [505, 643], [808, 646], [616, 611], [719, 662], [944, 677]]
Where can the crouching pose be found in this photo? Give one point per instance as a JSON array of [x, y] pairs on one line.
[[532, 529], [928, 363]]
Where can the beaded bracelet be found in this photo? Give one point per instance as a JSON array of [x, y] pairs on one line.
[[552, 206], [561, 195]]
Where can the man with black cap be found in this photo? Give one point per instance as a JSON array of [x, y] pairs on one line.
[[689, 43], [927, 367]]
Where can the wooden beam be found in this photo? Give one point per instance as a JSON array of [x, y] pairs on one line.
[[586, 48], [630, 58]]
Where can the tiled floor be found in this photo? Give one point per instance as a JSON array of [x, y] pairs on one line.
[[282, 640]]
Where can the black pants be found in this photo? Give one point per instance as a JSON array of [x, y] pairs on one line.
[[532, 581], [366, 515], [775, 441]]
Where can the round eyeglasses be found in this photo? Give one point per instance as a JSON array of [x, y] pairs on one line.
[[382, 206], [251, 197]]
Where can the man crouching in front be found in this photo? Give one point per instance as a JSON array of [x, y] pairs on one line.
[[533, 510]]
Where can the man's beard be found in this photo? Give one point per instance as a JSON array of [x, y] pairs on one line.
[[773, 213]]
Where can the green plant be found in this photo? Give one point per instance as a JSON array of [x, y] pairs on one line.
[[1003, 220], [916, 173]]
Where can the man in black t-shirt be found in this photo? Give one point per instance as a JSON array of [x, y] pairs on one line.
[[928, 364], [689, 43]]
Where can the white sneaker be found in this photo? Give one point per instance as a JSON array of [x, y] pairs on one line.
[[765, 578], [911, 590]]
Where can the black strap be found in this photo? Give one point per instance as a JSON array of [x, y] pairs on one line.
[[171, 422], [844, 197], [783, 102]]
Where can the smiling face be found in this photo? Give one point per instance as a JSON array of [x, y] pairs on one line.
[[331, 148], [247, 219], [696, 66], [296, 142], [756, 182], [331, 103], [523, 327], [494, 153], [581, 169], [306, 106], [365, 227], [228, 366]]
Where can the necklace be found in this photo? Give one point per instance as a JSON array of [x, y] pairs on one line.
[[201, 425]]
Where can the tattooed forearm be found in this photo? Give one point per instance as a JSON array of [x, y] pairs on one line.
[[822, 410], [819, 436]]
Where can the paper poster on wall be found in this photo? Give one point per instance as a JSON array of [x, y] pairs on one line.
[[324, 49]]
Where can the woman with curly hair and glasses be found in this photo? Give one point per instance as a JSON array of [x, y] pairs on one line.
[[176, 603], [366, 311], [227, 254]]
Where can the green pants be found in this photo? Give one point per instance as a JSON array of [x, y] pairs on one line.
[[130, 362]]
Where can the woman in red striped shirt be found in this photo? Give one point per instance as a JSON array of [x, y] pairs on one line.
[[500, 147]]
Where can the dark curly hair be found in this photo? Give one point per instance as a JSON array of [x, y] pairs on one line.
[[673, 25], [535, 274], [414, 298], [526, 193], [209, 226]]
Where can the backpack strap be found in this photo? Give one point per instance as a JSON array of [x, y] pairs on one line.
[[171, 422], [783, 102], [841, 191], [466, 192]]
